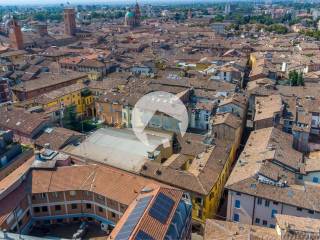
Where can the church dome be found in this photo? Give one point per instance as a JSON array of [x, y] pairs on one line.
[[129, 14]]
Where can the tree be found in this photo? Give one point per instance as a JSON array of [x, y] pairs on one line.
[[218, 18], [296, 79], [293, 77], [40, 17], [300, 80], [70, 117], [277, 28]]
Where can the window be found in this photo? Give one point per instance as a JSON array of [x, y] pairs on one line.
[[257, 221], [265, 222], [57, 207], [259, 201], [28, 213], [44, 209], [300, 177], [72, 193], [275, 203], [100, 209], [199, 200], [113, 214], [88, 205], [74, 206], [238, 194], [310, 211], [273, 212], [299, 209], [315, 179], [267, 203], [272, 226], [43, 195], [36, 209], [237, 204], [236, 217]]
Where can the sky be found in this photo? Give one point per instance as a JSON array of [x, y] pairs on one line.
[[41, 2]]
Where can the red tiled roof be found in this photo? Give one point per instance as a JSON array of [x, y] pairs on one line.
[[147, 223]]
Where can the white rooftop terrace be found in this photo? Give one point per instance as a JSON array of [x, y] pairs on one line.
[[119, 148]]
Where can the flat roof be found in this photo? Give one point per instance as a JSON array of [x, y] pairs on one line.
[[119, 148]]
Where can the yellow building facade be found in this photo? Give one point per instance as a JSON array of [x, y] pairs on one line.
[[206, 206], [75, 94]]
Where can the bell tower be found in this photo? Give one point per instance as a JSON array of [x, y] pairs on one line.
[[15, 35], [137, 14], [69, 17]]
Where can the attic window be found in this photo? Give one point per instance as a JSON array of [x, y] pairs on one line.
[[253, 186]]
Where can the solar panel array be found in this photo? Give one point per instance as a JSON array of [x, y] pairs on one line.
[[143, 236], [161, 208], [133, 218]]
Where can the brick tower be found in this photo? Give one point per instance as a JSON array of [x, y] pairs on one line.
[[15, 35], [69, 21], [137, 14]]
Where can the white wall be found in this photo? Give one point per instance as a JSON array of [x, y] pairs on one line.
[[309, 177], [231, 108], [246, 207], [250, 210]]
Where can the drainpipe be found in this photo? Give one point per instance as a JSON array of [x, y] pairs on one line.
[[254, 208]]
